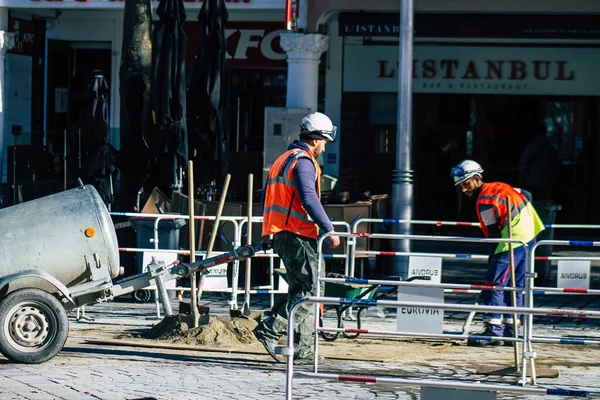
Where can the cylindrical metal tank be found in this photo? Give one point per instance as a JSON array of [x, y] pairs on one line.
[[70, 235]]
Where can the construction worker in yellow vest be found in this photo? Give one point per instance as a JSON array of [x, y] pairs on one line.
[[492, 211]]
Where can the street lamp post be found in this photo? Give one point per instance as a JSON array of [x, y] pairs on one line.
[[402, 178]]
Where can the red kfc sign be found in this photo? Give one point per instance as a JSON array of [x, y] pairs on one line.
[[249, 44]]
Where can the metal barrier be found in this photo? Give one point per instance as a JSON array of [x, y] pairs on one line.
[[288, 351], [526, 342], [238, 223], [354, 228], [270, 289], [530, 288], [158, 217], [527, 355]]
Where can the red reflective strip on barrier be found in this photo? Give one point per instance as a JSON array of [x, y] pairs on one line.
[[357, 378], [465, 224], [459, 291], [482, 287], [574, 290], [438, 223], [354, 330], [541, 258], [387, 253], [567, 314], [361, 234]]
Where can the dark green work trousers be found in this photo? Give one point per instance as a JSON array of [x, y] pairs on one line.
[[299, 255]]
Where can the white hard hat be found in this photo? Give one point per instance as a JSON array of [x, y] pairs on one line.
[[318, 126], [465, 169]]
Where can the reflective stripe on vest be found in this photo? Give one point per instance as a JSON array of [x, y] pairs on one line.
[[283, 209], [526, 224]]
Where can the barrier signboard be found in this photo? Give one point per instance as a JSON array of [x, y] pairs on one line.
[[432, 393], [573, 274], [216, 279], [410, 319]]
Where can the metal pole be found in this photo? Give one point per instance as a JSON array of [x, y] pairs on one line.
[[192, 237], [511, 256], [402, 179], [246, 308], [65, 159], [237, 126], [79, 150], [14, 172]]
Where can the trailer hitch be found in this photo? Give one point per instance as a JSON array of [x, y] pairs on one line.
[[183, 270]]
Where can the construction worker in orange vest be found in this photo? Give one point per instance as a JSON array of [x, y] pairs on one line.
[[492, 211], [294, 215]]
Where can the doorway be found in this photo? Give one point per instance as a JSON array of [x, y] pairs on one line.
[[71, 70], [504, 125]]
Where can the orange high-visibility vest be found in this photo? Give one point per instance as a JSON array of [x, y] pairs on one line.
[[526, 224], [282, 209]]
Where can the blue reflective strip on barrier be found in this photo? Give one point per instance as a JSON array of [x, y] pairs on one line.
[[327, 255], [386, 288], [463, 256], [572, 341], [548, 225], [344, 300], [356, 280], [262, 291], [580, 243], [566, 392], [539, 292], [479, 337], [393, 221]]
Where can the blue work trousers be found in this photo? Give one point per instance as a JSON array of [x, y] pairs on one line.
[[498, 274]]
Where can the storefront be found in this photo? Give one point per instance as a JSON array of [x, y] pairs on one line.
[[60, 43], [480, 91]]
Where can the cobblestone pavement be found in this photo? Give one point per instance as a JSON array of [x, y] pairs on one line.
[[91, 371]]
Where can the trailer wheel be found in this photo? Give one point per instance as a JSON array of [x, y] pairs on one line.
[[33, 326], [141, 295]]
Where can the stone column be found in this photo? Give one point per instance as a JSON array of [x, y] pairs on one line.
[[303, 56], [6, 42]]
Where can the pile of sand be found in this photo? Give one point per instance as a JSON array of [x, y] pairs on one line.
[[219, 331]]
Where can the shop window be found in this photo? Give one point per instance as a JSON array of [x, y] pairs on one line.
[[382, 140], [565, 128], [383, 108]]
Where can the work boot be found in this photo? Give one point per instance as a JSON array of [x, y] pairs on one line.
[[509, 332], [308, 360], [482, 339], [269, 343]]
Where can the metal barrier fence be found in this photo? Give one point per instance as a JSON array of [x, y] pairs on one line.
[[238, 224], [288, 351], [423, 238], [270, 288], [354, 228], [155, 240], [527, 354], [530, 288]]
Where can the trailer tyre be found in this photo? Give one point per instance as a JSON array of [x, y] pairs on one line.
[[33, 326], [142, 296]]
